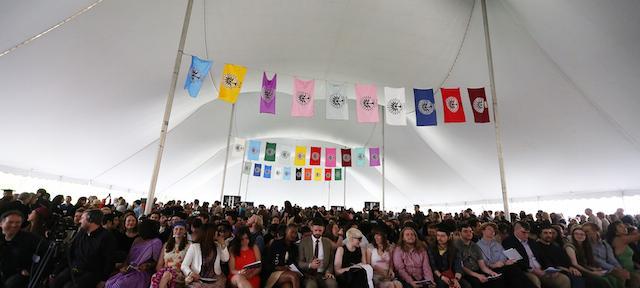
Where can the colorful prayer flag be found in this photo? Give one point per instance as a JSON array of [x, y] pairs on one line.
[[345, 155], [277, 173], [337, 174], [425, 107], [317, 174], [237, 150], [337, 104], [327, 174], [298, 174], [284, 155], [268, 94], [267, 171], [374, 156], [197, 73], [246, 168], [301, 156], [307, 174], [479, 104], [254, 150], [232, 78], [453, 110], [286, 173], [395, 99], [257, 170], [303, 98], [367, 103], [314, 158], [270, 152], [330, 157], [359, 155]]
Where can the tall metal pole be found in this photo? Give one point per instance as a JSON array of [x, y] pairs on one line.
[[496, 119], [226, 154], [329, 198], [344, 188], [244, 154], [246, 188], [383, 158], [167, 110]]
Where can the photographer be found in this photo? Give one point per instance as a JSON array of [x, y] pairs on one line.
[[17, 250], [90, 255]]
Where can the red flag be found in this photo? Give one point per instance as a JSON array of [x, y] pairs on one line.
[[453, 111], [307, 174], [346, 157], [479, 104], [327, 174], [314, 158]]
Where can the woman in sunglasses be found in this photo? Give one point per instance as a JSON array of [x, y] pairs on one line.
[[350, 263]]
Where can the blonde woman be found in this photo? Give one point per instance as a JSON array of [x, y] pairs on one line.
[[350, 263]]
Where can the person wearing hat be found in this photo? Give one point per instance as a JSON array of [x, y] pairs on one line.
[[6, 197], [21, 204]]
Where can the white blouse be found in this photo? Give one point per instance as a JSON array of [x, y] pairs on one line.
[[193, 259]]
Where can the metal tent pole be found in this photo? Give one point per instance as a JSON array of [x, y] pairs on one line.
[[226, 154]]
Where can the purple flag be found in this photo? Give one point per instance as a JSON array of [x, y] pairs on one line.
[[268, 94], [374, 156]]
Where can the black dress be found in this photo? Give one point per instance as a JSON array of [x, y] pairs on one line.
[[355, 277]]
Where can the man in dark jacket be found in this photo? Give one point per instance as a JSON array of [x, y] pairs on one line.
[[17, 250]]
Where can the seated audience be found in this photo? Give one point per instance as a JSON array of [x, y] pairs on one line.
[[17, 249], [202, 262], [475, 271], [378, 255], [315, 256], [411, 260], [173, 252], [619, 239], [581, 256], [350, 263], [281, 260], [445, 260], [244, 252]]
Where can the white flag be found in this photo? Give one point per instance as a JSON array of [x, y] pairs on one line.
[[277, 173], [237, 147], [246, 168], [284, 155], [337, 102], [395, 99]]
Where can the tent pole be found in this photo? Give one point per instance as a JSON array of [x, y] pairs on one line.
[[167, 110], [226, 154], [244, 154], [344, 188], [494, 102], [329, 198], [383, 158], [246, 188]]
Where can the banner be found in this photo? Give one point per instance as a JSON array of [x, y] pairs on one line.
[[277, 173], [425, 107], [298, 174], [337, 174], [317, 174], [232, 78], [395, 100], [270, 152], [257, 170], [327, 174], [478, 101], [268, 94], [453, 110], [254, 150], [360, 156], [337, 104], [330, 157], [374, 156], [246, 168], [267, 171], [197, 73], [303, 98], [314, 158], [307, 174], [237, 150], [301, 156], [345, 155], [366, 103], [284, 155], [286, 173]]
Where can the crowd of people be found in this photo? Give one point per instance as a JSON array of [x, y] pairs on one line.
[[112, 243]]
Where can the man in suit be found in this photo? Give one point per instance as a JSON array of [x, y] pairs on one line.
[[315, 258], [529, 263]]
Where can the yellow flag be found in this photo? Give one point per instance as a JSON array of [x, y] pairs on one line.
[[317, 174], [232, 78], [301, 156]]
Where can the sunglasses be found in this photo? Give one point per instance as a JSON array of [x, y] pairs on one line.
[[358, 238]]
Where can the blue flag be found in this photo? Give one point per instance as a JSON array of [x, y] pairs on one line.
[[257, 170], [425, 107], [286, 174], [359, 154], [267, 171], [253, 152], [197, 72]]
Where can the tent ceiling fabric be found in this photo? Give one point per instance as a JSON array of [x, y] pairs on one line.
[[86, 100]]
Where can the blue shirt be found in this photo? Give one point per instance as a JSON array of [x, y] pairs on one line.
[[492, 251], [603, 254]]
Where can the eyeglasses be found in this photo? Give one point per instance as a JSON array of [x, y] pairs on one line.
[[358, 238]]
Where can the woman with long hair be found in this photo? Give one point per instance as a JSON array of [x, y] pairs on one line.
[[334, 233], [38, 222], [140, 264], [619, 238], [125, 237], [280, 256], [244, 252], [581, 256], [378, 255], [168, 269], [201, 265]]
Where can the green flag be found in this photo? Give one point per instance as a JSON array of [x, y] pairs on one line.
[[270, 152], [338, 174]]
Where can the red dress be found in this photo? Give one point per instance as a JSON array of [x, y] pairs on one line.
[[246, 257]]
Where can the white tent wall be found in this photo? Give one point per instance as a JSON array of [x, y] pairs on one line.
[[85, 101]]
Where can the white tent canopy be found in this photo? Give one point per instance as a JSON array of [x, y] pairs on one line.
[[85, 100]]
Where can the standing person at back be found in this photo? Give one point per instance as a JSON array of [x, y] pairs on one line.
[[315, 258]]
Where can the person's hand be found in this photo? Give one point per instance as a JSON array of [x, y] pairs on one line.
[[391, 274], [328, 275], [538, 272], [456, 283], [415, 284], [482, 278], [493, 274], [575, 272], [24, 272], [195, 277], [498, 264], [509, 262], [315, 264]]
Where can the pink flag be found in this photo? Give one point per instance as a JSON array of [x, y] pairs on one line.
[[367, 103], [302, 102], [374, 156], [330, 157]]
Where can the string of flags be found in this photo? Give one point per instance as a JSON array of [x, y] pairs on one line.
[[288, 173], [367, 103]]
